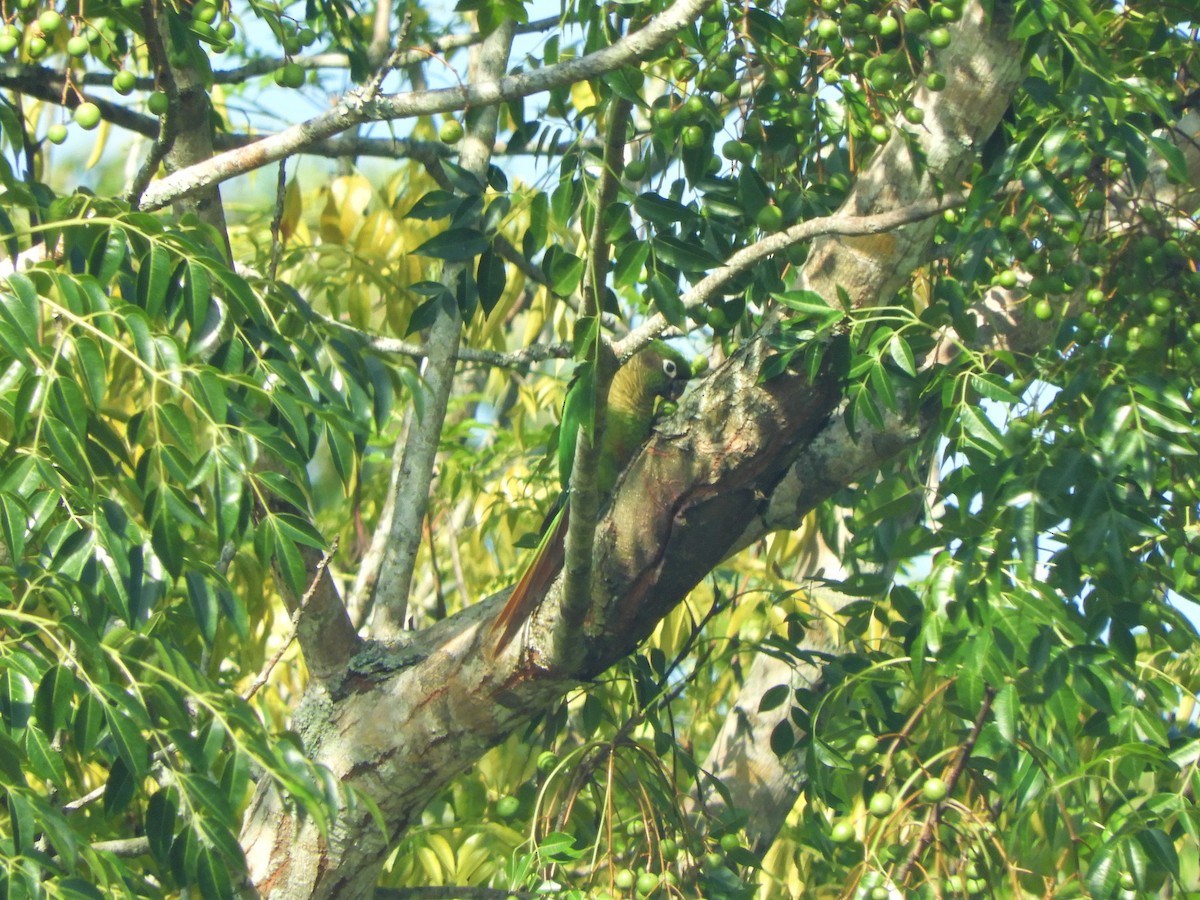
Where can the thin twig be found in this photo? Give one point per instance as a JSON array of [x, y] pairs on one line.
[[960, 763], [277, 221], [743, 260]]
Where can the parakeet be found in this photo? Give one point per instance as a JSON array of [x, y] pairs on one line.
[[656, 371]]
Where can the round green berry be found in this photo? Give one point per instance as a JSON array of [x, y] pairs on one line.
[[158, 103], [769, 218], [917, 21], [124, 82], [842, 832], [49, 22], [56, 133], [881, 805], [940, 38], [934, 790], [87, 115], [866, 744]]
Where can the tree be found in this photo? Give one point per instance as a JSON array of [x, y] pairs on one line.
[[923, 537]]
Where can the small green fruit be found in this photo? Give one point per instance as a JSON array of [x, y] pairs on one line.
[[917, 21], [866, 744], [880, 133], [934, 790], [87, 115], [291, 75], [1007, 279], [507, 806], [8, 42], [842, 832], [646, 882], [684, 69], [729, 842], [158, 103], [49, 22], [56, 133], [204, 12], [226, 30], [546, 761], [131, 4], [624, 879], [635, 170], [935, 81], [669, 849], [881, 805], [1042, 310], [451, 131], [77, 45], [940, 38], [737, 151], [769, 218], [124, 82], [914, 114], [37, 47], [693, 137]]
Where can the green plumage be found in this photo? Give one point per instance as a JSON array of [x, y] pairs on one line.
[[657, 371]]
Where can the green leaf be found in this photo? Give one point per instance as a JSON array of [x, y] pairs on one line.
[[774, 697], [126, 734], [108, 254], [690, 258], [783, 738], [52, 702], [11, 773], [13, 518], [212, 875], [491, 277], [1006, 708], [21, 823], [454, 245], [902, 355], [45, 762], [660, 210], [204, 605], [154, 280], [1161, 850], [162, 813], [19, 318], [436, 204], [631, 258], [564, 269], [665, 294], [119, 788], [91, 368]]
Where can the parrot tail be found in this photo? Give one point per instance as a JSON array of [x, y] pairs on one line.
[[534, 583]]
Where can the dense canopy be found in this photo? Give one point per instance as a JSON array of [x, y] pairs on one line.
[[899, 597]]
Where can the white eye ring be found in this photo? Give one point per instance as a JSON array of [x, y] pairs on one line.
[[669, 367]]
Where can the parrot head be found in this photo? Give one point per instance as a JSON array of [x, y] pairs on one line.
[[667, 370]]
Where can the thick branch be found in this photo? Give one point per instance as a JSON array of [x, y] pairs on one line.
[[424, 435], [585, 494]]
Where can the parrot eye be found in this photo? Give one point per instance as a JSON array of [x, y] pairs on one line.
[[669, 367]]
